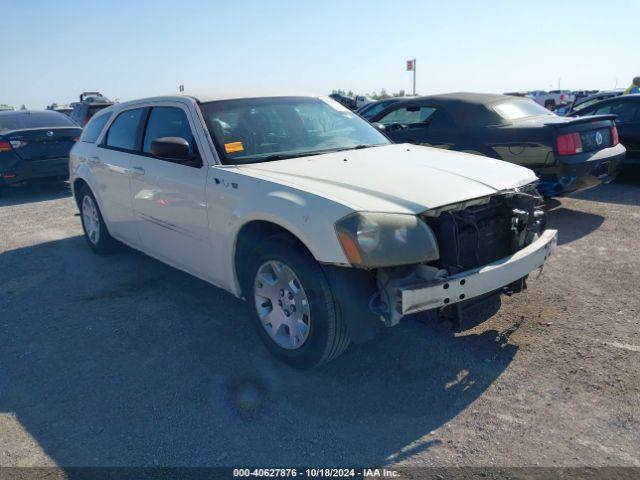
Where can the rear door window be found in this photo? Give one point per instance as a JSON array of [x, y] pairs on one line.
[[92, 131], [123, 133]]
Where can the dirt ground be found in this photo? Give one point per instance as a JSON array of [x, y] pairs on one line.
[[123, 361]]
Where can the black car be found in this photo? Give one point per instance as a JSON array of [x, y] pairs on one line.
[[90, 103], [348, 102], [35, 144], [585, 101], [627, 111], [369, 110], [567, 154]]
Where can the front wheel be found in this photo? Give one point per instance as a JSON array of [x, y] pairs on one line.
[[295, 312]]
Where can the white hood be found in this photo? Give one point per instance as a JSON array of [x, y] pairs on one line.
[[395, 178]]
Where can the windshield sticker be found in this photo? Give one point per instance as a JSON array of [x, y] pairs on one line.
[[336, 105], [233, 147]]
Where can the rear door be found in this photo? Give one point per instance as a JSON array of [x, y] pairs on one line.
[[408, 123], [111, 165], [168, 196]]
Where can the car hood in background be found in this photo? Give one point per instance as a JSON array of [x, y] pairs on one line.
[[395, 178]]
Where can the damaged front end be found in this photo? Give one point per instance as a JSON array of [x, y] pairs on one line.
[[486, 245]]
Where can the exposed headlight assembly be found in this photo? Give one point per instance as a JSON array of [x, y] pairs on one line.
[[374, 240]]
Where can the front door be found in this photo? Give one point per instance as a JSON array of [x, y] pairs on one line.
[[168, 196]]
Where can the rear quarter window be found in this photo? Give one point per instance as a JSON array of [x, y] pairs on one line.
[[92, 131]]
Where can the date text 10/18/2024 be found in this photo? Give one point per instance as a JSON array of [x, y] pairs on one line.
[[316, 472]]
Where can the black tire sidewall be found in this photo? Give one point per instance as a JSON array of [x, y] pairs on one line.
[[323, 321]]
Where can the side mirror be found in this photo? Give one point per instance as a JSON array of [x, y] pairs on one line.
[[170, 147]]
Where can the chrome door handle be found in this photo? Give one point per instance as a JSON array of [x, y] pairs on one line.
[[94, 159], [137, 170]]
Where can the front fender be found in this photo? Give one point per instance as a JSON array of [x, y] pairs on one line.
[[324, 248]]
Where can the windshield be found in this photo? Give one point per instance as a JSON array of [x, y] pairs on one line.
[[23, 120], [262, 129], [516, 109]]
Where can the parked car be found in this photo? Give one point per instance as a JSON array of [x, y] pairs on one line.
[[60, 108], [567, 154], [562, 97], [583, 102], [348, 102], [90, 103], [626, 108], [370, 109], [546, 99], [352, 103], [64, 110], [516, 94], [35, 144], [301, 207]]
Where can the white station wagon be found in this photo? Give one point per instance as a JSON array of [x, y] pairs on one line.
[[300, 206]]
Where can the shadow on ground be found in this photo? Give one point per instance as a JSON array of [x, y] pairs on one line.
[[624, 190], [573, 224], [123, 361], [33, 192]]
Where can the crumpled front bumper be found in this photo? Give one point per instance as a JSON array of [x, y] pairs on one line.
[[479, 281]]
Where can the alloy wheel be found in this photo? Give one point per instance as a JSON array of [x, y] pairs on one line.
[[282, 304]]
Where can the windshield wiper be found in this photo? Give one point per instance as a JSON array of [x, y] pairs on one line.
[[284, 156], [358, 147], [281, 156]]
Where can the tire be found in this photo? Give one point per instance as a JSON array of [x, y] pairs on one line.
[[318, 338], [95, 230]]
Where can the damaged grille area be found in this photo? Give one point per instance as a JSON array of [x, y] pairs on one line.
[[481, 234]]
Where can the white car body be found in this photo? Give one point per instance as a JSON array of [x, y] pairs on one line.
[[190, 217]]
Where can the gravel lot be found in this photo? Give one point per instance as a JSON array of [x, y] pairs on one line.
[[123, 361]]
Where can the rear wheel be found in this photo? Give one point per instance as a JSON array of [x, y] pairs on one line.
[[295, 311], [95, 230]]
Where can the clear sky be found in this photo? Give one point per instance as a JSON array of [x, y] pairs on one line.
[[53, 50]]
